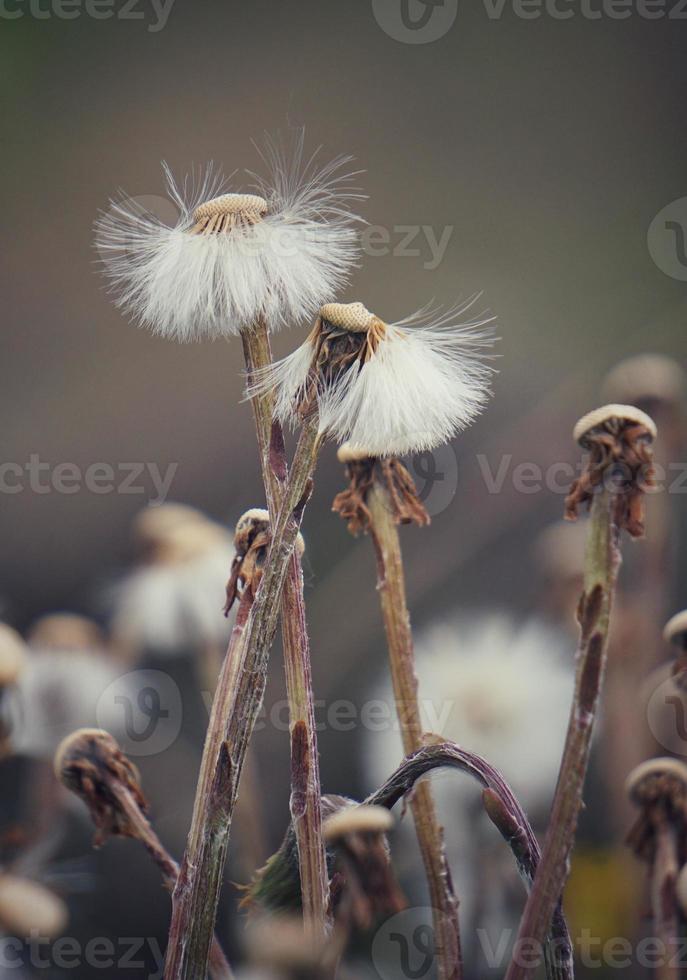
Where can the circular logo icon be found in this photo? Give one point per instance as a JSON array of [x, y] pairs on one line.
[[144, 709], [667, 239], [435, 474], [415, 21], [667, 712], [404, 948]]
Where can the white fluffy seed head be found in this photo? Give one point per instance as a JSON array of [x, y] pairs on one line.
[[233, 258], [623, 413], [420, 382]]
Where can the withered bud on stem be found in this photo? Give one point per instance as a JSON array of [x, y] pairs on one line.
[[368, 888], [619, 439], [251, 541], [363, 887], [90, 763], [659, 788], [363, 471]]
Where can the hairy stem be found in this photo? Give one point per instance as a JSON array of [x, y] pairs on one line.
[[507, 815], [305, 804], [601, 568], [392, 595], [235, 709], [218, 966], [664, 872]]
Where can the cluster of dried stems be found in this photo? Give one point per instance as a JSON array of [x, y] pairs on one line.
[[333, 870], [334, 867]]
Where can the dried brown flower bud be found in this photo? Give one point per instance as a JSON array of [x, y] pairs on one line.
[[368, 887], [90, 763], [28, 907], [619, 439], [659, 787], [251, 541], [391, 475]]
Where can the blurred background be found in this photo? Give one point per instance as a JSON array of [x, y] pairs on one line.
[[539, 161]]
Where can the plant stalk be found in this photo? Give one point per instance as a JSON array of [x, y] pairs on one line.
[[218, 966], [392, 597], [664, 909], [602, 560], [235, 709], [305, 803], [504, 811]]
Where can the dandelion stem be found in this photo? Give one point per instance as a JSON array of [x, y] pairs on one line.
[[235, 709], [218, 966], [507, 815], [305, 767], [664, 872], [601, 568], [392, 596]]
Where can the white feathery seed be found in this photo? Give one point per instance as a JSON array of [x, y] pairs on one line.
[[492, 684], [279, 254], [426, 380]]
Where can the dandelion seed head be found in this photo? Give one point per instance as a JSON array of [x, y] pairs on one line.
[[233, 258], [391, 388]]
